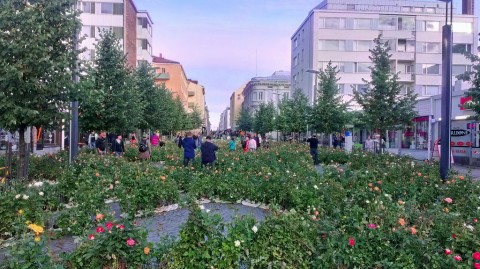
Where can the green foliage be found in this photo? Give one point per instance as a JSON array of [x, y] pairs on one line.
[[111, 100], [194, 119], [294, 113], [263, 121], [329, 111], [245, 120], [473, 77], [384, 107]]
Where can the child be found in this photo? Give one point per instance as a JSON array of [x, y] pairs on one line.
[[232, 144]]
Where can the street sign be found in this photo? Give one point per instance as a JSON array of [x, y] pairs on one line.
[[459, 132]]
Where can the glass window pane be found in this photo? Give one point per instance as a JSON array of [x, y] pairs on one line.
[[335, 45], [406, 23], [430, 47], [387, 23], [107, 8], [462, 27], [431, 90], [362, 23], [461, 48], [431, 69], [118, 31], [335, 23], [432, 26], [363, 45], [118, 9], [362, 67]]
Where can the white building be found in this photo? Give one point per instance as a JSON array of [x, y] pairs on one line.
[[131, 26], [224, 123], [342, 31], [265, 90]]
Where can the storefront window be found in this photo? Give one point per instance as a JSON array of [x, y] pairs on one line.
[[416, 136]]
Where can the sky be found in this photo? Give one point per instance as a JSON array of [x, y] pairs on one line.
[[224, 43]]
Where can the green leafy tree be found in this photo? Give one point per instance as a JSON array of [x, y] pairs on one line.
[[329, 112], [195, 119], [384, 107], [294, 114], [245, 120], [37, 57], [263, 121], [117, 104], [473, 77], [151, 97]]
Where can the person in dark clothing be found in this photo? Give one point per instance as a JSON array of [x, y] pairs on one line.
[[101, 144], [118, 147], [335, 141], [314, 148], [257, 139], [208, 152], [189, 147]]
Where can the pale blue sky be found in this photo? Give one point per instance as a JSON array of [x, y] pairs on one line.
[[217, 40]]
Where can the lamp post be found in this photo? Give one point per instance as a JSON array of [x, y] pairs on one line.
[[73, 137], [446, 89]]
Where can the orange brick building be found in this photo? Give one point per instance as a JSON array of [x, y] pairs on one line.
[[172, 75]]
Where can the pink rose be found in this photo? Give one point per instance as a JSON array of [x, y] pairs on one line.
[[351, 242], [130, 242], [100, 229], [109, 225], [448, 251], [372, 225], [120, 226], [457, 258], [476, 265], [448, 200], [476, 255], [91, 237]]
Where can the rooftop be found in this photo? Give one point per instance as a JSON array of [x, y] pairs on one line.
[[283, 76], [161, 60]]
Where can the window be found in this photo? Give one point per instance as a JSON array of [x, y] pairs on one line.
[[335, 45], [144, 23], [458, 69], [387, 23], [406, 89], [341, 88], [295, 61], [362, 67], [418, 9], [430, 10], [361, 88], [405, 45], [432, 26], [405, 68], [462, 27], [295, 42], [406, 23], [301, 59], [431, 47], [335, 23], [118, 32], [285, 95], [362, 45], [260, 96], [350, 7], [431, 69], [461, 48], [295, 78], [145, 45], [362, 23], [406, 9], [112, 8], [88, 7], [431, 90], [254, 96]]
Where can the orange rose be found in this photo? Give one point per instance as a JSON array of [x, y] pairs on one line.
[[146, 250], [401, 221]]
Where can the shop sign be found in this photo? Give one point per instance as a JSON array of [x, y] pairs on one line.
[[465, 102], [459, 132]]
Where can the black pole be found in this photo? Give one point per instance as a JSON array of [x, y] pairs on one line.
[[73, 137], [446, 94]]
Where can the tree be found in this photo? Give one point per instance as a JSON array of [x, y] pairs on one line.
[[294, 114], [245, 120], [37, 57], [116, 103], [473, 77], [151, 97], [384, 107], [195, 119], [263, 121], [329, 112]]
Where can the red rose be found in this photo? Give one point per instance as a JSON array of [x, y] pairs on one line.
[[476, 265], [100, 229], [476, 255], [91, 237], [448, 251], [454, 236], [351, 242], [457, 258], [120, 226], [130, 242], [109, 225], [475, 220]]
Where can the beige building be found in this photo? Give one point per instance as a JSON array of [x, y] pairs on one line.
[[172, 75], [236, 101], [196, 99]]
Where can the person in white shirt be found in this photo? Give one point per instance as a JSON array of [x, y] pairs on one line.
[[369, 144], [252, 144]]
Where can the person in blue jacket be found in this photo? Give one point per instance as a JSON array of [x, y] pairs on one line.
[[189, 147], [208, 152]]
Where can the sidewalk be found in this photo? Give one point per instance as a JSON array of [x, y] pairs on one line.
[[422, 155]]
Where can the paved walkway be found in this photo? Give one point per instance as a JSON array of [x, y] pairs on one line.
[[423, 155]]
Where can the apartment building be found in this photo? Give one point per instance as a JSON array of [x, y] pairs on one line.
[[172, 75], [133, 27], [265, 90], [196, 100], [236, 101], [224, 123], [342, 31]]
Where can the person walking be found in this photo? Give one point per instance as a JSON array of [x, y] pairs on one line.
[[208, 150], [101, 143], [369, 144], [118, 147], [232, 144], [189, 147], [154, 139], [313, 141], [252, 144], [144, 148]]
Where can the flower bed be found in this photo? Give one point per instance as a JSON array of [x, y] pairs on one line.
[[365, 211]]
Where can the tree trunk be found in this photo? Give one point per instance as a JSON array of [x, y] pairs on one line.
[[22, 168]]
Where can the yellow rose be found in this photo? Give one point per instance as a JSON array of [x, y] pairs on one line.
[[37, 239], [20, 212]]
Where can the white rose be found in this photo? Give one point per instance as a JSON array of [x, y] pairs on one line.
[[17, 196], [38, 184], [40, 193], [207, 210], [255, 229], [237, 243], [25, 197], [315, 187], [202, 207], [367, 201]]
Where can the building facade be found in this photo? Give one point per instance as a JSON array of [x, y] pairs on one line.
[[171, 75], [342, 31], [131, 26], [265, 90], [236, 101], [196, 100], [224, 123]]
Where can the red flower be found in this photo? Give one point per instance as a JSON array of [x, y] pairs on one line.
[[457, 258], [476, 255], [120, 226], [109, 225], [372, 225], [100, 229], [454, 236], [448, 251], [130, 242], [475, 220], [351, 242], [91, 237], [476, 265]]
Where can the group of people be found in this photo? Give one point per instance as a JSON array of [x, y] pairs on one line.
[[190, 143]]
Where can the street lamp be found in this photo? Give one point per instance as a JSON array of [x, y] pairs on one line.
[[446, 90], [315, 72]]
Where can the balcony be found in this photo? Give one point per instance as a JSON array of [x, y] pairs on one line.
[[191, 93], [403, 56], [402, 77], [164, 76]]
